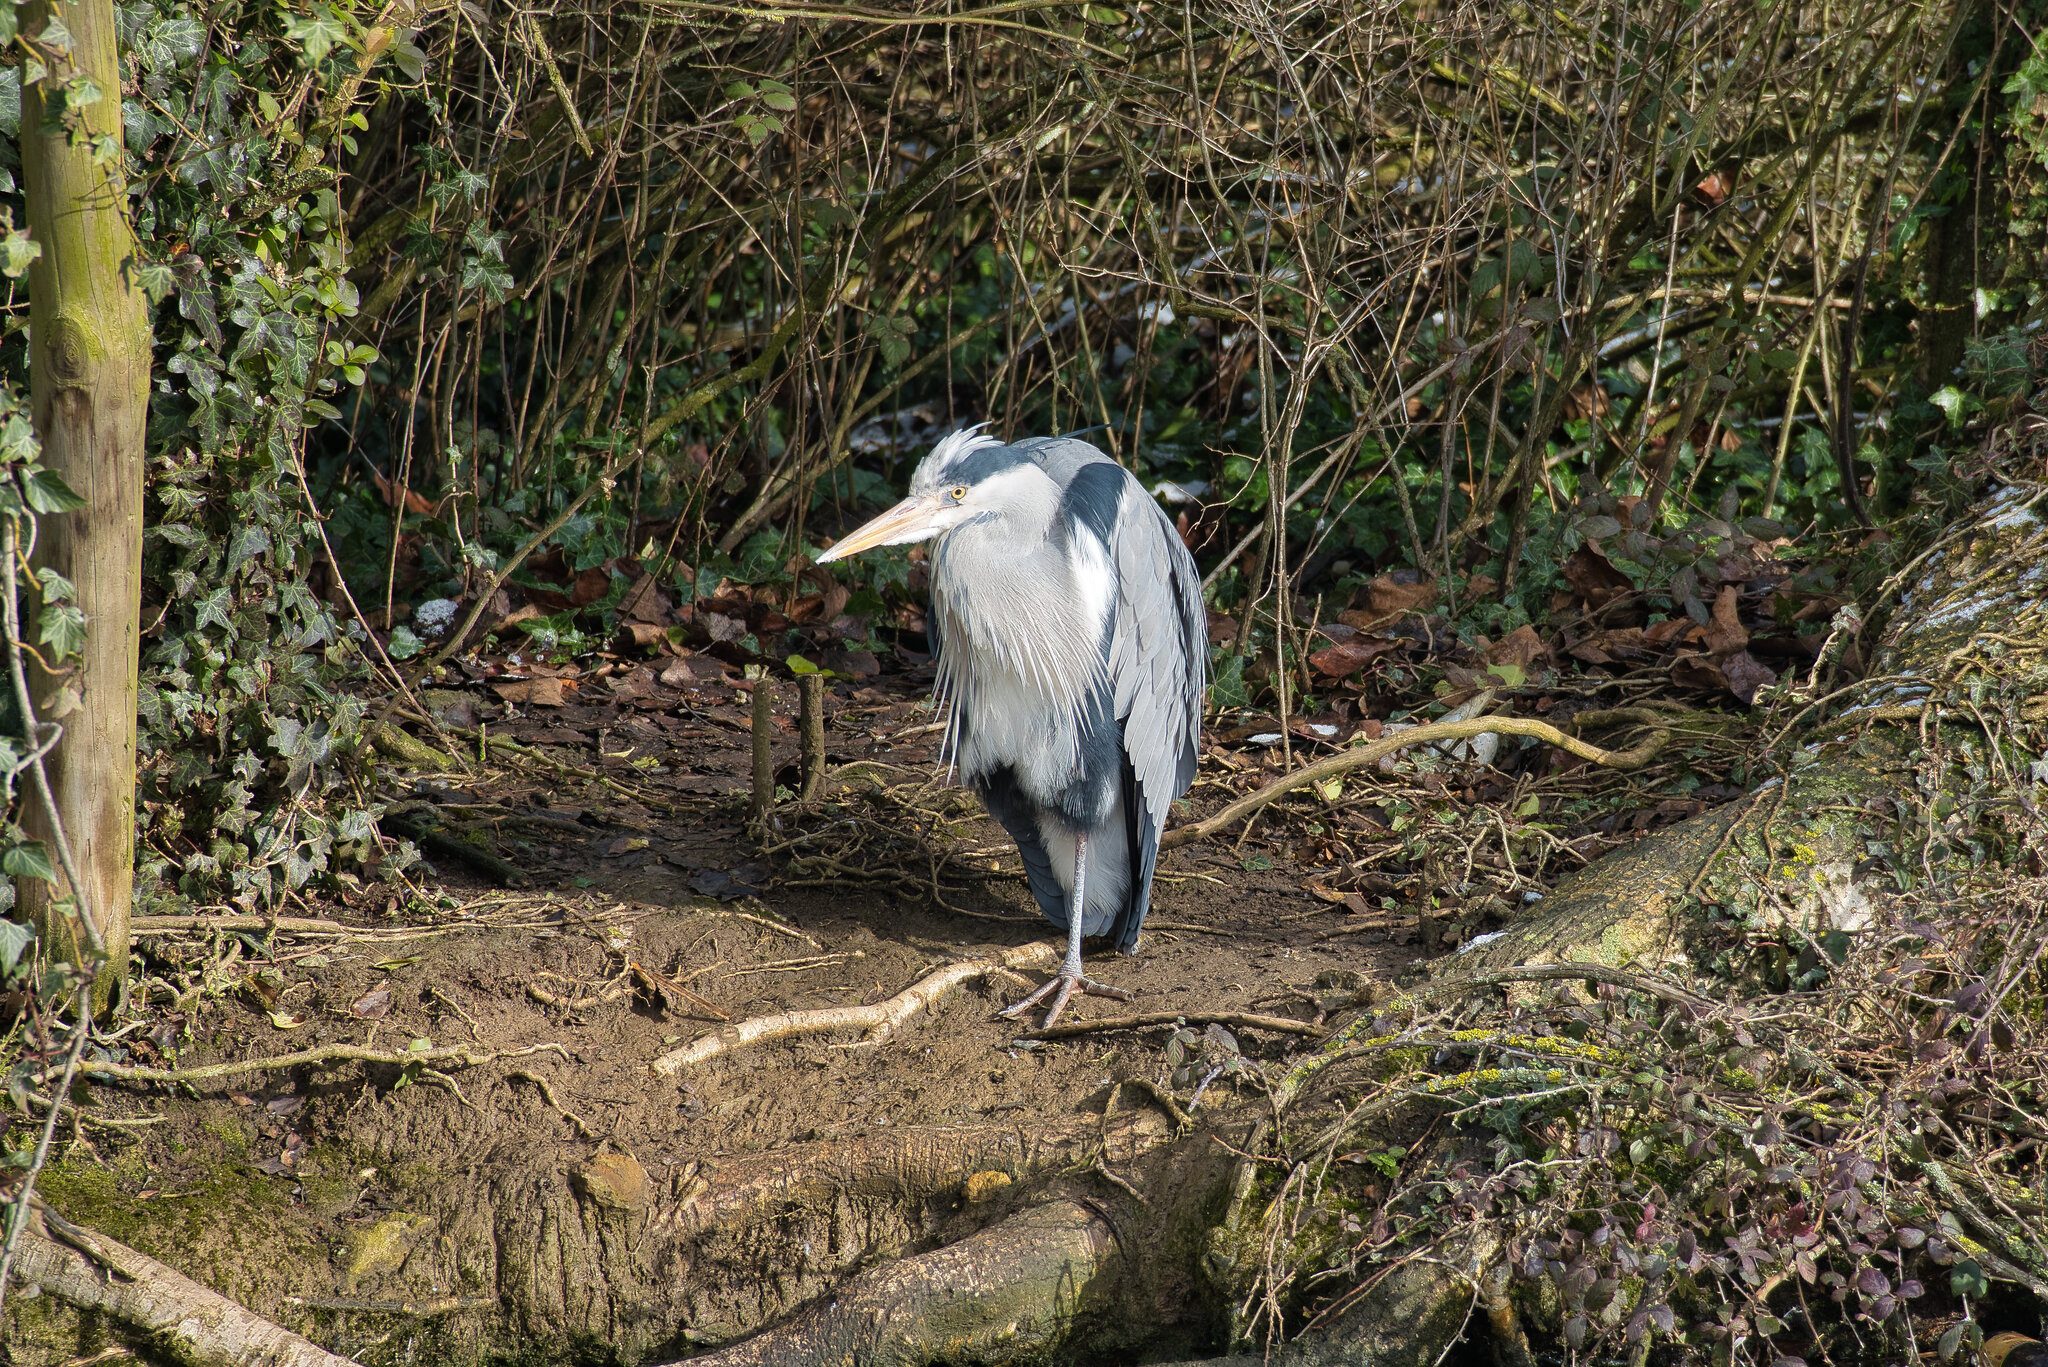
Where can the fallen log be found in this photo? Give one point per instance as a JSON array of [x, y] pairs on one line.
[[175, 1315]]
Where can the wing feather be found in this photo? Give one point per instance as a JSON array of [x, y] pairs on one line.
[[1159, 651]]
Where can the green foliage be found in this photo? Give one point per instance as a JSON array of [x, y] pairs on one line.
[[246, 723]]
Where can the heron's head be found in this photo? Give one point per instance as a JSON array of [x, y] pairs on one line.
[[968, 475]]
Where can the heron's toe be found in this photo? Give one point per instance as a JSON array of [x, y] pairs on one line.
[[1061, 987]]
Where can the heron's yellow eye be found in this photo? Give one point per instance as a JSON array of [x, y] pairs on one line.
[[957, 492]]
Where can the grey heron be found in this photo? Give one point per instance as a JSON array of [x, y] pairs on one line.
[[1072, 646]]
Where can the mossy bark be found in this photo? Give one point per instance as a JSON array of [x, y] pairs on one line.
[[89, 386], [1958, 677]]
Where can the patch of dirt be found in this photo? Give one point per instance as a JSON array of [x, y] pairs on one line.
[[646, 913]]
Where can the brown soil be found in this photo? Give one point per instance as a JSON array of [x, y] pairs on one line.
[[329, 1170]]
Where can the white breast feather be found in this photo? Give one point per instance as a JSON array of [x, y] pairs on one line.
[[1019, 668]]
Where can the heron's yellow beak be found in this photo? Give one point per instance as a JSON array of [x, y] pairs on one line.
[[914, 519]]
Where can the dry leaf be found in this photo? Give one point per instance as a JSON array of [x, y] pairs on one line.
[[525, 612], [1400, 592], [642, 635], [1610, 646], [645, 602], [532, 692], [1725, 633], [1745, 674], [1346, 658], [373, 1005], [1593, 578], [1522, 646]]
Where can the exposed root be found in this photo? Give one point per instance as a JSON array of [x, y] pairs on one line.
[[547, 1094], [1332, 766], [410, 750], [910, 1166], [878, 1020], [179, 1316], [1008, 1291], [146, 926], [1243, 1020], [455, 1056]]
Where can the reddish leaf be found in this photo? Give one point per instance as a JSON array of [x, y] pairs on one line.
[[1522, 646], [1746, 674], [642, 636], [1610, 646], [525, 612], [1346, 658], [645, 601], [1401, 591], [373, 1005], [589, 586], [1596, 581], [1670, 630]]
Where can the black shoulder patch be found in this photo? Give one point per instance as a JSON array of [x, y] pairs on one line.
[[978, 465], [1093, 497]]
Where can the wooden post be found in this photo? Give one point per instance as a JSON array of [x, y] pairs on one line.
[[89, 390], [811, 731], [763, 727]]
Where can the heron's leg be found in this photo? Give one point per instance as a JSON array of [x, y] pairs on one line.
[[1063, 984]]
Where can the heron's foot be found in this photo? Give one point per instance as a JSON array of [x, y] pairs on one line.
[[1060, 987]]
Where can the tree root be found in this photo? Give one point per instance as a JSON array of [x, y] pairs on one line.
[[429, 1059], [1011, 1290], [878, 1020], [408, 749], [1243, 1020], [1332, 766], [180, 1317]]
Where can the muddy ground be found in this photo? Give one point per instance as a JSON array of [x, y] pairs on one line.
[[640, 911]]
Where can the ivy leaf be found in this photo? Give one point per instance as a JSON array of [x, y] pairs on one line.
[[247, 543], [212, 610], [482, 273], [56, 588], [17, 252], [179, 39], [15, 938], [61, 626], [55, 35], [317, 33], [28, 860], [47, 492], [158, 280]]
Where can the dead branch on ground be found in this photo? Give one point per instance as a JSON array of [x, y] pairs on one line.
[[1373, 752], [878, 1020]]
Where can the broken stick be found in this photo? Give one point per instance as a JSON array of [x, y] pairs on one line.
[[810, 690], [878, 1020]]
